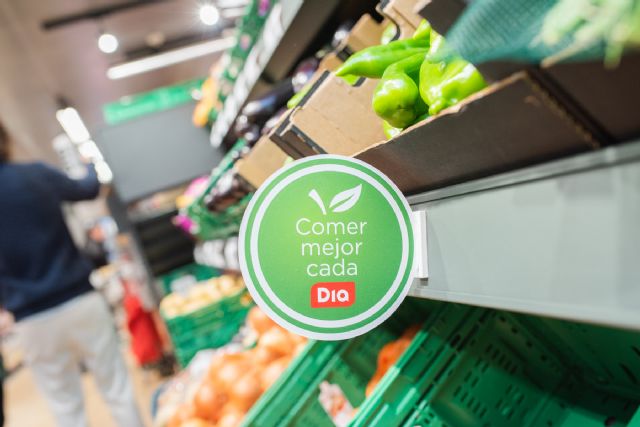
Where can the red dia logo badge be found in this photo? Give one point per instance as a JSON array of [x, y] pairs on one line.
[[333, 294]]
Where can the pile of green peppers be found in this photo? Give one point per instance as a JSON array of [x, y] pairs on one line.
[[415, 81]]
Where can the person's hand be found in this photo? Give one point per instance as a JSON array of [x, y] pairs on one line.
[[105, 190]]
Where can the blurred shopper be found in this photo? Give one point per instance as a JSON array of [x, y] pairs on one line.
[[6, 325], [2, 374], [61, 322]]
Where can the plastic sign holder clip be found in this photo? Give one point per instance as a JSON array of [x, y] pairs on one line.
[[419, 224]]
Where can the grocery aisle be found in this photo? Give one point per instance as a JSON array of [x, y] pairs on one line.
[[337, 213]]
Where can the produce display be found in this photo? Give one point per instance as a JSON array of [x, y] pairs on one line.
[[209, 104], [216, 211], [247, 32], [203, 217], [197, 186], [200, 295], [417, 76], [229, 190], [334, 401], [236, 379], [400, 373], [257, 112], [224, 73], [373, 61]]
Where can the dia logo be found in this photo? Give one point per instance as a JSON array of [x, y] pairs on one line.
[[333, 294]]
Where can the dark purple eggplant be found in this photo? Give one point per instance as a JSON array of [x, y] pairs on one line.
[[259, 110]]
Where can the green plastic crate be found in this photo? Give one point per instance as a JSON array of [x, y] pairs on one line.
[[293, 399], [277, 402], [205, 316], [635, 421], [211, 326], [224, 331], [198, 271], [211, 225], [606, 358], [478, 367]]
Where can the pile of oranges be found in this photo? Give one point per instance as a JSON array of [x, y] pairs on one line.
[[235, 381]]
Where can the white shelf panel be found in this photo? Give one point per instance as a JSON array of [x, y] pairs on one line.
[[561, 239]]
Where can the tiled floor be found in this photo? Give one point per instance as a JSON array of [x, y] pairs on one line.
[[25, 407]]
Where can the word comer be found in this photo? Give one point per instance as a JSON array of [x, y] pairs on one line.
[[337, 250]]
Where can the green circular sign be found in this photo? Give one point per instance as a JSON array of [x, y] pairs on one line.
[[326, 247]]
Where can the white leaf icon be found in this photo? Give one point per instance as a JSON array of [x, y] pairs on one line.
[[316, 198], [345, 200]]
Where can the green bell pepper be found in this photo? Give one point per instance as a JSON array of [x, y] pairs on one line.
[[423, 32], [388, 34], [445, 82], [373, 61], [390, 131], [397, 99]]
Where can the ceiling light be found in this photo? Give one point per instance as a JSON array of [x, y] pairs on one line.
[[209, 14], [168, 58], [73, 125], [108, 43]]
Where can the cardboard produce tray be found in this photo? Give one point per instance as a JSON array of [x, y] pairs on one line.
[[264, 159], [607, 97], [334, 117], [366, 32], [403, 13], [603, 99], [509, 125], [441, 14]]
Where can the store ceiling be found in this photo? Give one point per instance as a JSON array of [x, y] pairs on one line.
[[37, 66]]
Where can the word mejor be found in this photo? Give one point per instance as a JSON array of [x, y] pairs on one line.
[[337, 250]]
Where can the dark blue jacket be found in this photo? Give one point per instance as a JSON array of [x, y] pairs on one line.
[[40, 266]]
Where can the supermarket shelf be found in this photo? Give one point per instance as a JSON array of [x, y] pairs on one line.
[[289, 29], [560, 239]]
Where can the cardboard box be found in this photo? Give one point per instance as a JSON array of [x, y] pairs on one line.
[[509, 125], [330, 62], [403, 13], [366, 32], [494, 71], [264, 159], [333, 118], [441, 14], [603, 100], [606, 99]]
